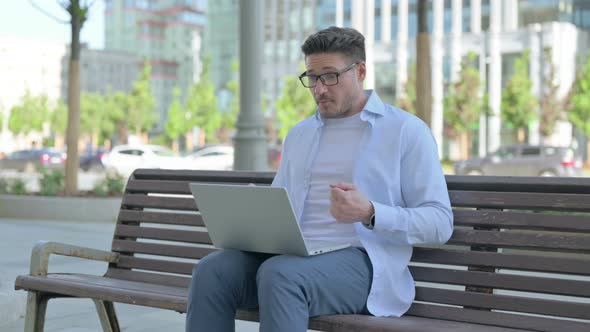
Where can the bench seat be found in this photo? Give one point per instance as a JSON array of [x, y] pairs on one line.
[[518, 259]]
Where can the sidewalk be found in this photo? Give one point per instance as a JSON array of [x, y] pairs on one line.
[[17, 237]]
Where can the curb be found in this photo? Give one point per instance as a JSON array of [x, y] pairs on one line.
[[60, 208]]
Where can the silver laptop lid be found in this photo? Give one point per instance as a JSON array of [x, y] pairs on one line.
[[250, 218]]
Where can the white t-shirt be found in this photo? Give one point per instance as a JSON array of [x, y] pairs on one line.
[[334, 162]]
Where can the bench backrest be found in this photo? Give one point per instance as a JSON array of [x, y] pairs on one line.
[[521, 246]]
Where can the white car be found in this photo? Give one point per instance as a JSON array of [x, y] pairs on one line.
[[124, 159], [213, 157]]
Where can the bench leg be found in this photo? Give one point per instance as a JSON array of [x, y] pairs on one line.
[[107, 315], [36, 308]]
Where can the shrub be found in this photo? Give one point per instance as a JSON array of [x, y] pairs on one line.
[[51, 182], [18, 187], [112, 184]]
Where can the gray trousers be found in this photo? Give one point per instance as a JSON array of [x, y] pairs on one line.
[[286, 289]]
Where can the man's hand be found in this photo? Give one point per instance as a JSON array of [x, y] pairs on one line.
[[348, 204]]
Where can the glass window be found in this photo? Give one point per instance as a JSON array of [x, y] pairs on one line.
[[531, 151]]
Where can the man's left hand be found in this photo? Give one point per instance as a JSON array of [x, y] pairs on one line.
[[348, 204]]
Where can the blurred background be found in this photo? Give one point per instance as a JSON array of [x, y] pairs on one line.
[[159, 81]]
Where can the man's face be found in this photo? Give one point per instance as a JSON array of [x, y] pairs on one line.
[[340, 100]]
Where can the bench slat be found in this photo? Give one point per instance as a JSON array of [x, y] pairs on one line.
[[204, 176], [152, 278], [137, 216], [502, 281], [522, 220], [201, 237], [157, 265], [504, 302], [571, 185], [517, 200], [495, 318], [127, 246], [168, 187], [159, 202], [523, 240], [566, 265]]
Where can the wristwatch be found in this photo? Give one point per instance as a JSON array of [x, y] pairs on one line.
[[371, 223]]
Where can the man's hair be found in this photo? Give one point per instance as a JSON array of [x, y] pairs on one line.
[[347, 41]]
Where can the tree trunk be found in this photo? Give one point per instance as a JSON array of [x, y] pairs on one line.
[[73, 129], [175, 145], [520, 135], [189, 144], [423, 67], [464, 139]]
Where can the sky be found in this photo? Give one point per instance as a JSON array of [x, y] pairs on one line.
[[19, 18]]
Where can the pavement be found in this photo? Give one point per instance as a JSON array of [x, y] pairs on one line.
[[17, 238]]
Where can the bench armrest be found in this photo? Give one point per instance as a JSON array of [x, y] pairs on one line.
[[42, 250]]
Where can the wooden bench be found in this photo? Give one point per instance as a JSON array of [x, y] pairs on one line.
[[519, 258]]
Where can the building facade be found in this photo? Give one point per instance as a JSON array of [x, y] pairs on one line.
[[32, 65], [164, 33], [102, 72], [496, 30]]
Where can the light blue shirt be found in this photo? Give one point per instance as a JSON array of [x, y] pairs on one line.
[[399, 171]]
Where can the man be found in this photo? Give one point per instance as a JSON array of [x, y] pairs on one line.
[[359, 171]]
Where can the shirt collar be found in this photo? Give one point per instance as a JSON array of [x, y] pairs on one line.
[[372, 109]]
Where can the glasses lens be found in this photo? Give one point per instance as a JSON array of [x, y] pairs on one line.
[[309, 81], [330, 79]]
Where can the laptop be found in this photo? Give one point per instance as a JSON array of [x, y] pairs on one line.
[[255, 218]]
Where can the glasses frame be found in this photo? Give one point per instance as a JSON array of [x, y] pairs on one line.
[[321, 77]]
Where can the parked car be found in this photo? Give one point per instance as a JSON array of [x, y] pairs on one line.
[[124, 159], [212, 157], [94, 160], [524, 160], [221, 157], [31, 160]]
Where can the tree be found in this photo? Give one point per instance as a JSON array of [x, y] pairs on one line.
[[579, 108], [141, 111], [407, 101], [293, 105], [423, 69], [518, 102], [176, 123], [29, 115], [201, 105], [462, 104], [229, 117], [58, 121], [114, 108], [551, 106], [93, 117]]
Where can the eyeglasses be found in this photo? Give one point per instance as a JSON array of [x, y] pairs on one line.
[[328, 79]]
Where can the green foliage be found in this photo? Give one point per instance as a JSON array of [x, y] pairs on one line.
[[4, 186], [59, 118], [518, 102], [201, 105], [92, 113], [29, 115], [407, 101], [18, 187], [141, 111], [551, 106], [462, 105], [293, 105], [13, 186], [51, 182], [112, 185], [115, 107], [579, 110], [176, 123]]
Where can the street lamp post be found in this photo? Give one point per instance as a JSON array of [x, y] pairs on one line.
[[250, 138]]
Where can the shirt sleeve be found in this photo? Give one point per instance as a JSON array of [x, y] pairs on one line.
[[427, 217]]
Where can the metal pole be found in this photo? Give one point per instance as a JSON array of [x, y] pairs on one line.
[[250, 139]]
